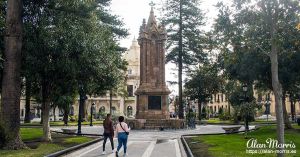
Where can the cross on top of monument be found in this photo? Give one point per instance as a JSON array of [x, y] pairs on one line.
[[152, 4]]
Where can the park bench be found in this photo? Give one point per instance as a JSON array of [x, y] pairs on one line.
[[69, 131], [231, 129]]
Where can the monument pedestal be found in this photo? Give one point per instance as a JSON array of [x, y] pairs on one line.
[[152, 102], [155, 123]]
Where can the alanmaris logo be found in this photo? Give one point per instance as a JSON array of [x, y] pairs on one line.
[[269, 143]]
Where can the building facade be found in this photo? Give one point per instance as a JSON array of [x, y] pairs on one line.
[[219, 100]]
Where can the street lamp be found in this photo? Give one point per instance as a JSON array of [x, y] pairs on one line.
[[92, 112], [267, 111], [245, 89], [82, 99]]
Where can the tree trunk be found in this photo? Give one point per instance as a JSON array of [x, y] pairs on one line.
[[285, 114], [181, 114], [66, 117], [27, 101], [11, 82], [277, 89], [42, 115], [45, 109], [199, 110], [293, 109], [110, 101], [54, 115]]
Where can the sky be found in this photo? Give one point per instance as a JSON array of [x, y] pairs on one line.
[[134, 11]]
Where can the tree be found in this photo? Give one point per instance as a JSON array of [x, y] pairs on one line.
[[183, 20], [11, 82], [66, 54], [261, 26], [203, 82]]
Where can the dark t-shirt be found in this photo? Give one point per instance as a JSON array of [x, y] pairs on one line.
[[108, 126]]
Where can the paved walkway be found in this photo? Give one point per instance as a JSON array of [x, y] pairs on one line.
[[145, 143]]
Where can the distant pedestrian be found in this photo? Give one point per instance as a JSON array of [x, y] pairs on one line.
[[108, 132], [122, 132]]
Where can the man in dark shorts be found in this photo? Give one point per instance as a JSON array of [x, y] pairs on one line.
[[108, 132]]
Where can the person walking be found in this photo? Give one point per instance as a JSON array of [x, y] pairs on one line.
[[108, 132], [122, 132]]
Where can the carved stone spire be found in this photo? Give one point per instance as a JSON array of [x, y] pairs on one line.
[[151, 20]]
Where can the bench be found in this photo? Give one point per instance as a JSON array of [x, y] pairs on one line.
[[231, 129], [69, 131]]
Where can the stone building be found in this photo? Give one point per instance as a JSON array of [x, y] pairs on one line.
[[120, 105], [219, 100]]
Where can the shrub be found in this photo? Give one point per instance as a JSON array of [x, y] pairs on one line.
[[225, 116]]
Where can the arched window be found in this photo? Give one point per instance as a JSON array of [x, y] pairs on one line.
[[129, 71], [72, 110], [113, 110], [129, 111], [102, 109]]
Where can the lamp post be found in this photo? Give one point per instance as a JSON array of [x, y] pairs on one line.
[[245, 89], [92, 112], [267, 111], [81, 103]]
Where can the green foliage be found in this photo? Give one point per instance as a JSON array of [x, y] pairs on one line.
[[248, 111], [77, 140], [225, 116], [102, 115], [203, 82], [219, 145], [28, 134], [243, 35], [221, 111], [190, 115], [193, 37], [42, 150], [73, 118]]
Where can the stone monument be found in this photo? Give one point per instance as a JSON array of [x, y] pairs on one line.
[[152, 93]]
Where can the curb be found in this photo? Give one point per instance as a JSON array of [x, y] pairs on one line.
[[186, 147], [59, 132], [71, 149]]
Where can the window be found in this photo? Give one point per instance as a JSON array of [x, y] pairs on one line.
[[218, 98], [22, 113], [61, 112], [222, 97], [130, 90], [113, 110], [129, 111], [72, 110], [215, 98], [102, 109], [129, 71]]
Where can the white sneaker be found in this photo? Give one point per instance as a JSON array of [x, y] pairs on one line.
[[113, 151], [125, 155], [103, 153]]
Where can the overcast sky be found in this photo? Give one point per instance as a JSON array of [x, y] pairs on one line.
[[133, 11]]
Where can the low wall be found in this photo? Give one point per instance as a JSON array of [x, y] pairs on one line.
[[155, 123]]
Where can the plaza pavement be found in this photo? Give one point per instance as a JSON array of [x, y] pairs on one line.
[[145, 143]]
